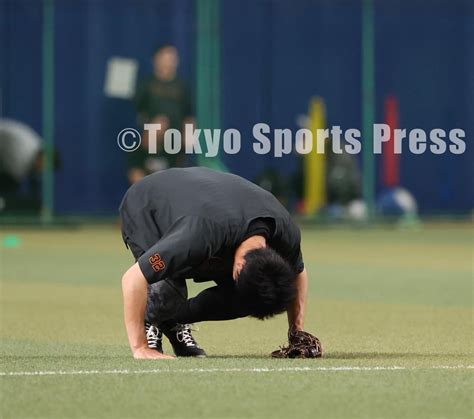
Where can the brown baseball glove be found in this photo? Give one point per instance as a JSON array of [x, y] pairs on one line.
[[300, 345]]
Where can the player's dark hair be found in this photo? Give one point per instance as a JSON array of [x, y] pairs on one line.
[[266, 283]]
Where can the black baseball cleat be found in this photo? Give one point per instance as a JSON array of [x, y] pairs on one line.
[[154, 337], [182, 341]]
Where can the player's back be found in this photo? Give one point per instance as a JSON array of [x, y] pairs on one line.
[[174, 193], [197, 191]]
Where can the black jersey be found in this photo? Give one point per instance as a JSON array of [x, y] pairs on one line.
[[187, 223]]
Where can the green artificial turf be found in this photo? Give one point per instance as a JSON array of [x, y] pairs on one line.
[[392, 307]]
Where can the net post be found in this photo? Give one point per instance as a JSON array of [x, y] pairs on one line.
[[47, 193], [368, 110]]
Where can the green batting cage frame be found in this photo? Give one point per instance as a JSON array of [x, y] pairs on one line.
[[368, 107], [48, 112]]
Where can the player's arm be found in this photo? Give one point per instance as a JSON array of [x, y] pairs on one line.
[[134, 287], [301, 344], [297, 309], [189, 242]]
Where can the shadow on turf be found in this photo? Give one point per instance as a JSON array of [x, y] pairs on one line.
[[75, 357], [389, 355], [249, 356], [355, 355], [127, 357], [330, 355]]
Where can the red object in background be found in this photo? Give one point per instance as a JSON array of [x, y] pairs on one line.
[[390, 160]]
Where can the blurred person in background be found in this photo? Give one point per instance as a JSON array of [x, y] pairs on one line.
[[21, 164], [273, 181], [343, 178], [161, 98]]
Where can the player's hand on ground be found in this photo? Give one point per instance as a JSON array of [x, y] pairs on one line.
[[309, 344], [147, 353], [301, 344]]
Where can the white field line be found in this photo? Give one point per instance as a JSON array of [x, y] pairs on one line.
[[214, 370]]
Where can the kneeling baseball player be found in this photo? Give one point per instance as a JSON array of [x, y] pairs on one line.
[[209, 226]]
